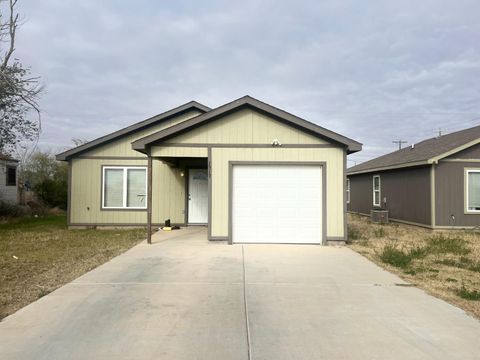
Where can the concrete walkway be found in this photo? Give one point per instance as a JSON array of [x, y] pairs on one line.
[[186, 298]]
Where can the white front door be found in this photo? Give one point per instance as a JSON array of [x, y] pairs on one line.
[[277, 204], [197, 196]]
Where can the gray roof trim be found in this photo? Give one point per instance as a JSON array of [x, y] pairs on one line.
[[393, 167], [428, 151], [140, 125], [247, 101]]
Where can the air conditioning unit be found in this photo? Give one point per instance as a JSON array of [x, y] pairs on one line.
[[379, 216]]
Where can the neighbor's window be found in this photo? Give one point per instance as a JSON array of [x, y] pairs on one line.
[[348, 191], [11, 176], [473, 190], [376, 190], [124, 187]]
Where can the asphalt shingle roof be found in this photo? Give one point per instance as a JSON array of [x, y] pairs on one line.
[[422, 151]]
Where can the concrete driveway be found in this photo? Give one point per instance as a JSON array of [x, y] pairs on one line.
[[186, 298]]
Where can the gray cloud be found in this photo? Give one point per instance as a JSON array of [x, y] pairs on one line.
[[374, 70]]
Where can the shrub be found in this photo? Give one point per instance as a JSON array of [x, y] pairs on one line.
[[10, 210], [52, 192], [48, 178], [418, 252], [468, 295], [463, 263], [441, 244], [395, 257]]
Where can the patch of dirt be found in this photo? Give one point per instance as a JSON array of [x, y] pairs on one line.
[[444, 263]]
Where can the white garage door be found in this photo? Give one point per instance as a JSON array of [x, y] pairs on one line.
[[277, 204]]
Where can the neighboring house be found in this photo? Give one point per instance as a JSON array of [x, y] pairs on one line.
[[248, 170], [435, 183], [8, 181]]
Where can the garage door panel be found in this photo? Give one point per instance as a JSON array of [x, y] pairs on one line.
[[277, 204]]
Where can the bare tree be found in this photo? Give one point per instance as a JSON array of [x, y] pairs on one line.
[[19, 91]]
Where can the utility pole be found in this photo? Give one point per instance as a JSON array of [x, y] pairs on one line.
[[399, 142]]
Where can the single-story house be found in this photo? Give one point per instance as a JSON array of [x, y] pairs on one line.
[[434, 183], [247, 170], [8, 183]]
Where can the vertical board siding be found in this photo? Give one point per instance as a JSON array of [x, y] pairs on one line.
[[472, 152], [407, 192], [246, 127], [450, 194], [361, 188], [168, 194], [179, 151], [220, 182], [168, 201]]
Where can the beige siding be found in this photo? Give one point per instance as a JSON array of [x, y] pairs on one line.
[[335, 175], [246, 127], [168, 194], [243, 127], [123, 146], [179, 151]]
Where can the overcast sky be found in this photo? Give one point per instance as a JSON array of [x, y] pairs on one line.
[[375, 71]]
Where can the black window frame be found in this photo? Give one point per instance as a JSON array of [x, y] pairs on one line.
[[8, 178]]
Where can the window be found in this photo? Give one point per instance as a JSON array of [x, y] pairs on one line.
[[348, 191], [124, 187], [376, 190], [473, 190], [11, 176]]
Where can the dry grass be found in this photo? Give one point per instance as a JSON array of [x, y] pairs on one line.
[[38, 255], [445, 264]]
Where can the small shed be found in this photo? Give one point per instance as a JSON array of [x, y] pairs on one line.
[[8, 181]]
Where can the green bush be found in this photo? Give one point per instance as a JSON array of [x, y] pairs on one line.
[[52, 192], [440, 244], [48, 178], [468, 295], [392, 255], [395, 257], [10, 210], [463, 263], [418, 252]]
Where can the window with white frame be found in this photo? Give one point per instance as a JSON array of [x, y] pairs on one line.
[[348, 191], [376, 190], [124, 187], [473, 190]]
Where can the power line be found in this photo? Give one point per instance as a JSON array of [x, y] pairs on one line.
[[399, 142]]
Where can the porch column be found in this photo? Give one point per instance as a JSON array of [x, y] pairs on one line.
[[149, 199]]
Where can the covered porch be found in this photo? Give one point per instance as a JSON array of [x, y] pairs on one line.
[[193, 173]]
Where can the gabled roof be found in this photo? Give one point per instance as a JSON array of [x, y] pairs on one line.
[[425, 152], [192, 105], [244, 102]]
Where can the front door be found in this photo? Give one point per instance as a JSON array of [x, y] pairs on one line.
[[197, 196]]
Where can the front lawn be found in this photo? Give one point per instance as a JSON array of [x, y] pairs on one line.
[[38, 255], [444, 263]]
